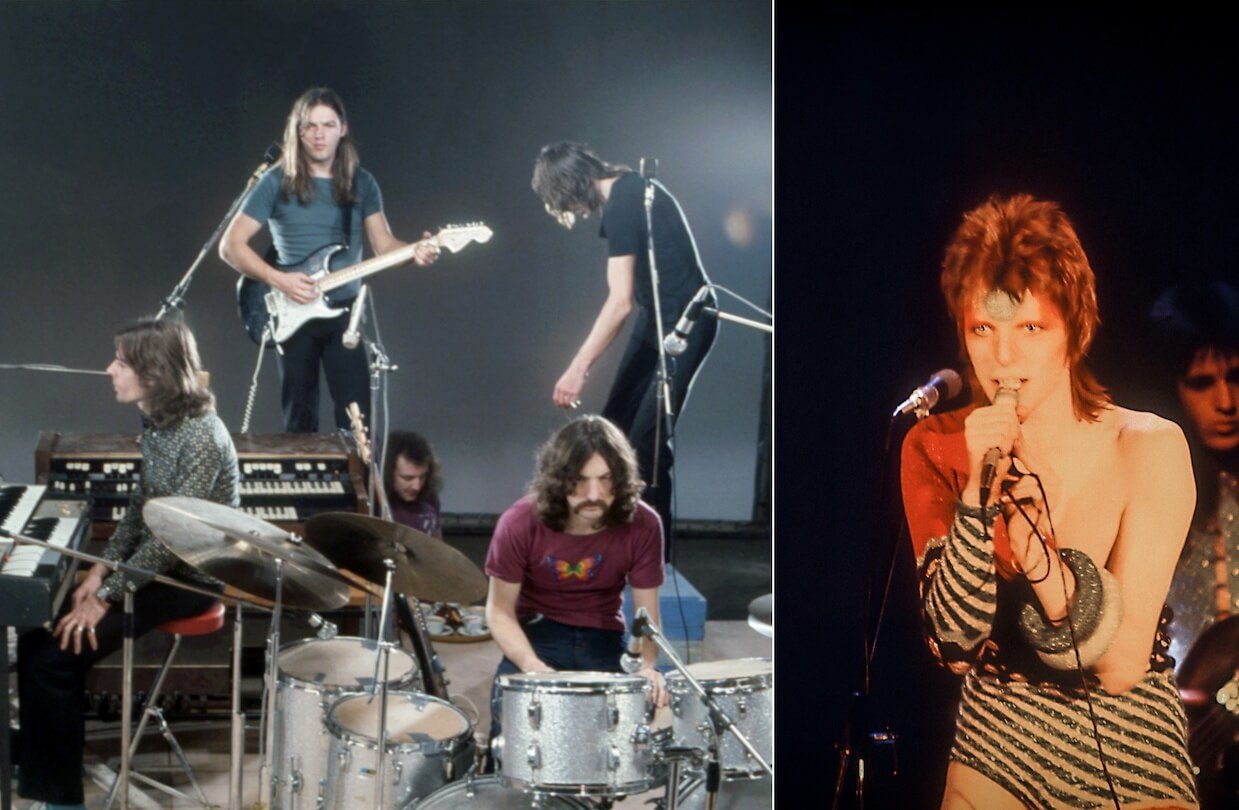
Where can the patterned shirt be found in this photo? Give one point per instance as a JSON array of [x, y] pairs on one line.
[[194, 458]]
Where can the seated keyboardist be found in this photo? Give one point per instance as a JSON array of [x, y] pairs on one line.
[[186, 450]]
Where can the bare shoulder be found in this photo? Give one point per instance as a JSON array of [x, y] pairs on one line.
[[1150, 442]]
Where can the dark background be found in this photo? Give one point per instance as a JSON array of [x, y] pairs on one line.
[[129, 128], [891, 125]]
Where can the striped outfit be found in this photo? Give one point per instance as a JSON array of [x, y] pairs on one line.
[[1022, 724]]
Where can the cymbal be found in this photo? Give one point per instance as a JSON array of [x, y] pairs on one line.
[[761, 615], [241, 550], [426, 567]]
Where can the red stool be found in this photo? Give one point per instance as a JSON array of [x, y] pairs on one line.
[[209, 621]]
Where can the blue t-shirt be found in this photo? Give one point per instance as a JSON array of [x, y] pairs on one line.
[[297, 230]]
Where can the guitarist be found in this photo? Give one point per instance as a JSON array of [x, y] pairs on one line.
[[305, 200]]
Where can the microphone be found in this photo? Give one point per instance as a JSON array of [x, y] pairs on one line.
[[1008, 393], [631, 661], [269, 157], [944, 384], [326, 630], [677, 340], [352, 335]]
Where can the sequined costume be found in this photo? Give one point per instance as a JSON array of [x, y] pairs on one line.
[[1195, 594], [1021, 723]]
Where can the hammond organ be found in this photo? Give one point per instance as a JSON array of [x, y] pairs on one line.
[[286, 478]]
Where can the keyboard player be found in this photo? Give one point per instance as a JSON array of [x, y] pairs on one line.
[[186, 450]]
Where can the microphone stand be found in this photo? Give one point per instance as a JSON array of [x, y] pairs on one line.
[[719, 721], [860, 741], [176, 298], [664, 378], [380, 367]]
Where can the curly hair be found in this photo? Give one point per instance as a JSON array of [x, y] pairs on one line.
[[1019, 244], [564, 176], [560, 461], [164, 355], [413, 447]]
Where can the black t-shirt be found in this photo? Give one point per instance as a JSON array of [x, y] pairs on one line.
[[680, 275]]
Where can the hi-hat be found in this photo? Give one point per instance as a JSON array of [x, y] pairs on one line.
[[241, 551], [425, 567]]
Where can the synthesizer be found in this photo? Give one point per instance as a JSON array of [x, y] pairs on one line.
[[286, 478]]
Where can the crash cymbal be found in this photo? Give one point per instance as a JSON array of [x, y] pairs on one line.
[[761, 615], [426, 567], [241, 550]]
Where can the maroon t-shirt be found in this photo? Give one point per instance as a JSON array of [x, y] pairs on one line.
[[573, 578]]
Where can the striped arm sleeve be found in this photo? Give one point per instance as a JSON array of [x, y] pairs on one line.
[[958, 591]]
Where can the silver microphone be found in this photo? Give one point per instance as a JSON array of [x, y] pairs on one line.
[[943, 385], [677, 340], [631, 661], [352, 335], [326, 630], [1008, 393]]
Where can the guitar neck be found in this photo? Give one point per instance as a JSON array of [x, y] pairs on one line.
[[370, 266]]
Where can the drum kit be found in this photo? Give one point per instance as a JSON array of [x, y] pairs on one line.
[[359, 722]]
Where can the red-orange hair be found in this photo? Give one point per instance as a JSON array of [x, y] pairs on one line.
[[1018, 244]]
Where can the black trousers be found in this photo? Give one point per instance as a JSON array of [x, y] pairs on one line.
[[348, 374], [633, 404], [51, 682]]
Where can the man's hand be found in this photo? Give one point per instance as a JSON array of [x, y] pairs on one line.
[[81, 621], [537, 665], [568, 389], [658, 688], [297, 286], [426, 252]]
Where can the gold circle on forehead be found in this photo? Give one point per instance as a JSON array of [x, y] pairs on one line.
[[1000, 305]]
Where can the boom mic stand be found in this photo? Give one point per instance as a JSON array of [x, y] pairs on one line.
[[176, 298], [649, 170]]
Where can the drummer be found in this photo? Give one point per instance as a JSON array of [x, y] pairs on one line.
[[186, 450], [561, 556]]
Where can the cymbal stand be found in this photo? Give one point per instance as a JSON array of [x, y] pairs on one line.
[[237, 749], [266, 770], [382, 665], [127, 657], [126, 692], [719, 720]]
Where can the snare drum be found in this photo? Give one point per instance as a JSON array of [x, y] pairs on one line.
[[586, 733], [744, 689], [313, 674], [489, 793], [429, 743]]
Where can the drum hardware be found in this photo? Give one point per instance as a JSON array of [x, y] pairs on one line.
[[719, 722], [128, 640]]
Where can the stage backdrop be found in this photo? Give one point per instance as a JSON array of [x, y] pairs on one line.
[[130, 127]]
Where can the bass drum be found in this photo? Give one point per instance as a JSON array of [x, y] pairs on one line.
[[733, 794], [488, 793]]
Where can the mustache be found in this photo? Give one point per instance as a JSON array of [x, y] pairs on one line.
[[588, 504]]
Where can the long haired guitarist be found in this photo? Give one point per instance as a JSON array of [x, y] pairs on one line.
[[319, 195]]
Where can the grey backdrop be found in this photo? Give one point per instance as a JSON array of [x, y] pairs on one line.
[[130, 127]]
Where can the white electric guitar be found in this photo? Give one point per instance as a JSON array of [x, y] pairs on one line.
[[271, 315]]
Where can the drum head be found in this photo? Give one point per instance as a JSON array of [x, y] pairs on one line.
[[412, 717], [589, 682], [730, 672], [487, 793], [342, 663]]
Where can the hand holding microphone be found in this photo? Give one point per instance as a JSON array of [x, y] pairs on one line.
[[995, 428]]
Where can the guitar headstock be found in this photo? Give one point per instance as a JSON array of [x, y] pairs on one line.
[[359, 432], [456, 237]]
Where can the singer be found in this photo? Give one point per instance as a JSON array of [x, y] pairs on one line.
[[318, 195], [1050, 595], [561, 556], [186, 450], [574, 182]]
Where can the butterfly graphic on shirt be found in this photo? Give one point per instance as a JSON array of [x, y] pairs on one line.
[[583, 570]]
